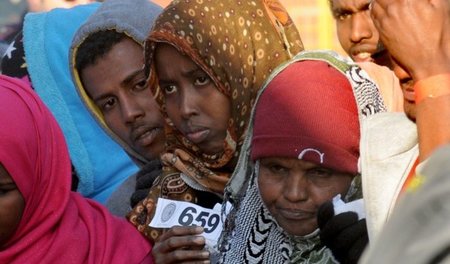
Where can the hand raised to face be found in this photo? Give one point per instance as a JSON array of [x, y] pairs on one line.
[[416, 33], [181, 244]]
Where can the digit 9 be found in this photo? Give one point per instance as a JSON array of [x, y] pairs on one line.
[[212, 224]]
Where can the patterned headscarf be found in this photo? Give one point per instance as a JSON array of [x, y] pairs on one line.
[[238, 44], [251, 234]]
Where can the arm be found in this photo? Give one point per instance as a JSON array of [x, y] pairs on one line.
[[433, 113]]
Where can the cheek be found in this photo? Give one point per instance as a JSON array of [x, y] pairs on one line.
[[11, 210], [173, 113], [150, 104], [113, 120], [320, 195], [269, 188], [343, 34]]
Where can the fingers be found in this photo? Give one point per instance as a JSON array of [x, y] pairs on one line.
[[183, 256], [178, 232], [350, 236], [333, 229], [181, 244]]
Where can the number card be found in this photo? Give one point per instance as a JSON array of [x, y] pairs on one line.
[[356, 206], [171, 213]]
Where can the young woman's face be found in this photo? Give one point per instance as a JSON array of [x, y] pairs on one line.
[[193, 103], [11, 206], [293, 190]]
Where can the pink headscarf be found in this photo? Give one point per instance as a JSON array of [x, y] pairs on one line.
[[57, 225]]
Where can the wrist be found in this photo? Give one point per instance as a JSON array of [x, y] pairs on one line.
[[431, 87]]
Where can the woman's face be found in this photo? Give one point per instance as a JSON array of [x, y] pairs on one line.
[[293, 190], [193, 103], [11, 206]]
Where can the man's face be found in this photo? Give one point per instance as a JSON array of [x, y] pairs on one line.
[[116, 83], [356, 31]]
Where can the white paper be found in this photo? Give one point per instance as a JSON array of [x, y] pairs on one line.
[[356, 206], [171, 213]]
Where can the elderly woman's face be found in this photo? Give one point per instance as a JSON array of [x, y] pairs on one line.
[[293, 190], [11, 206]]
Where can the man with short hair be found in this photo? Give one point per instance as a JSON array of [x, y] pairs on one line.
[[356, 32], [107, 59]]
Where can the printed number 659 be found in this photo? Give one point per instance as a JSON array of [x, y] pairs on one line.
[[204, 219]]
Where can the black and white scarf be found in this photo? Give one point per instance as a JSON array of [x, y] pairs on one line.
[[251, 234]]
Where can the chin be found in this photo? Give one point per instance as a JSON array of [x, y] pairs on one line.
[[300, 233], [300, 229], [410, 111]]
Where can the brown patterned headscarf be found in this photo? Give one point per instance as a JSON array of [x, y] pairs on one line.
[[238, 43]]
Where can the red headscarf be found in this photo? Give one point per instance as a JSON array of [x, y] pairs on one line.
[[57, 225]]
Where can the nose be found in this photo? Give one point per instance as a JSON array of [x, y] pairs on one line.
[[188, 103], [131, 110], [296, 188], [362, 27]]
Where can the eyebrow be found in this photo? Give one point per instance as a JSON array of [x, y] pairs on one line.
[[346, 9], [192, 72], [4, 178], [6, 181], [125, 82], [131, 77], [185, 74]]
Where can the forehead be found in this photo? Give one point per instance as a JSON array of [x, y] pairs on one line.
[[170, 61], [289, 161], [5, 177], [354, 5]]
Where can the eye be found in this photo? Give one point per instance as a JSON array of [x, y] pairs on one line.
[[202, 80], [141, 85], [169, 89], [342, 15], [6, 188], [108, 104], [319, 173], [278, 169]]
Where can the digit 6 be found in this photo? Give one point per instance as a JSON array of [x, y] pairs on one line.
[[186, 218]]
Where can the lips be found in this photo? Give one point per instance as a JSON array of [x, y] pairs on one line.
[[197, 135], [409, 95], [296, 214], [145, 135], [408, 90], [362, 57], [363, 52]]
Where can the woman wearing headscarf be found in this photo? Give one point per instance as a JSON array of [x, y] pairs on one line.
[[301, 150], [41, 220], [229, 48]]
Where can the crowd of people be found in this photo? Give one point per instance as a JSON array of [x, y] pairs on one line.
[[288, 155]]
